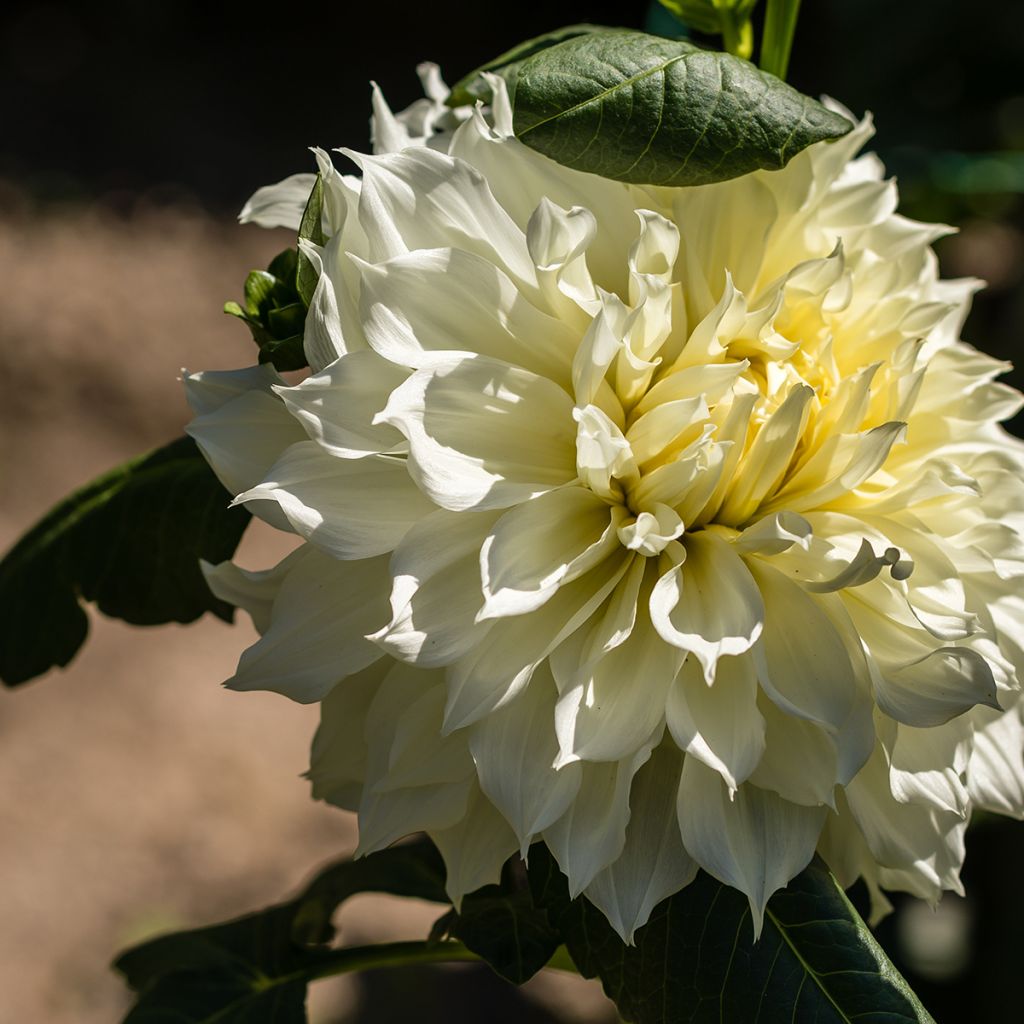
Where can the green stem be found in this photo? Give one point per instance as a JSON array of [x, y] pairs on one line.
[[779, 26], [737, 33], [388, 954]]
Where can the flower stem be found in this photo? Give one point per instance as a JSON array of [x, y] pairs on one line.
[[737, 33], [779, 25]]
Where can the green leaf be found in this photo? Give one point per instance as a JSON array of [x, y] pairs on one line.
[[649, 110], [255, 969], [696, 961], [502, 924], [311, 229], [131, 542], [274, 312], [474, 86]]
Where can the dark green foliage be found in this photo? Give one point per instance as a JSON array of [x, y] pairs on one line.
[[502, 924], [474, 86], [648, 110], [255, 969], [131, 542], [310, 229], [696, 961], [274, 312]]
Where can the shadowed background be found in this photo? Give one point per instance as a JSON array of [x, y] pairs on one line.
[[137, 795]]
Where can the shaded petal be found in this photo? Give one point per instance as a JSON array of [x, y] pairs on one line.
[[709, 605], [317, 628], [484, 434], [926, 765], [592, 832], [537, 546], [337, 406], [906, 836], [754, 841], [415, 777], [352, 508], [503, 661], [208, 390], [338, 759], [420, 307], [936, 687], [800, 760], [995, 772], [252, 591], [280, 205], [803, 663], [514, 749], [436, 595], [718, 724], [475, 848], [654, 863], [411, 199], [242, 440], [617, 702]]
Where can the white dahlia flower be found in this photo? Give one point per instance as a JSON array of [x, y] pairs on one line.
[[673, 527]]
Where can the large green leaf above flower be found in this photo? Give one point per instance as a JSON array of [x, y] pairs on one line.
[[648, 110]]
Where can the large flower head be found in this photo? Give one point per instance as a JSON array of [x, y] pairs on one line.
[[673, 527]]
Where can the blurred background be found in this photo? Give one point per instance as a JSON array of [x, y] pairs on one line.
[[136, 795]]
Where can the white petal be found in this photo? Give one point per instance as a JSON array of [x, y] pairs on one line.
[[800, 760], [484, 434], [618, 701], [331, 330], [413, 199], [773, 534], [709, 605], [244, 437], [436, 593], [768, 458], [387, 134], [422, 306], [755, 841], [338, 759], [803, 664], [514, 749], [905, 836], [536, 547], [475, 848], [320, 616], [932, 689], [352, 508], [337, 405], [926, 765], [253, 591], [995, 772], [208, 390], [558, 240], [654, 863], [415, 777], [280, 205], [592, 832], [505, 657], [719, 724]]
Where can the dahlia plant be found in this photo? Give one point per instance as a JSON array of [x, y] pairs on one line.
[[657, 540]]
